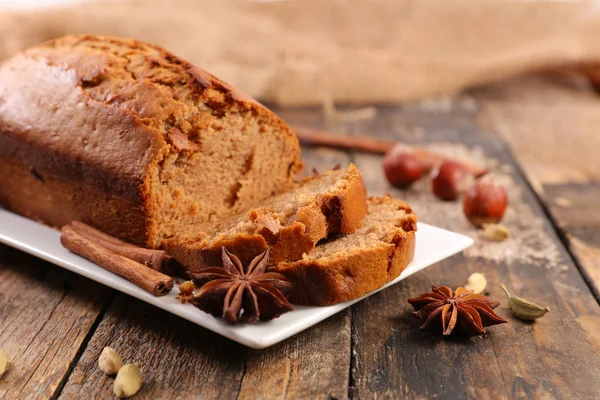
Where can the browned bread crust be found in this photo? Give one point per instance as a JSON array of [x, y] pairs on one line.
[[130, 139], [351, 266], [290, 224]]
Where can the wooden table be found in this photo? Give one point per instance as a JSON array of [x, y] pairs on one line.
[[539, 137]]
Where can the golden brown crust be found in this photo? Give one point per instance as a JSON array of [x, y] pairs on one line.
[[353, 205], [194, 259], [345, 279], [41, 198], [56, 97], [357, 272], [292, 242]]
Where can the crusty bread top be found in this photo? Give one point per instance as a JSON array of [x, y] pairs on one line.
[[122, 72], [126, 83]]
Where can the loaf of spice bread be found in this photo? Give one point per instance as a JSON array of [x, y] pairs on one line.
[[351, 265], [143, 146], [289, 224], [132, 140]]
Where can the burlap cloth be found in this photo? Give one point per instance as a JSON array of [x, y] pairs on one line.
[[349, 51]]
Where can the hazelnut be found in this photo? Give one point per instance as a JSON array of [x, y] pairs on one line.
[[450, 179], [485, 202], [402, 167], [128, 381], [110, 361], [477, 283]]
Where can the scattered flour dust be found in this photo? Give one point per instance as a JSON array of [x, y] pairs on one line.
[[530, 242]]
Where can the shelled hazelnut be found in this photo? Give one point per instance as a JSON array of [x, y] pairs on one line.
[[110, 361], [485, 202], [128, 381]]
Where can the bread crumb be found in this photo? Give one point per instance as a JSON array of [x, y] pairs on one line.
[[186, 289]]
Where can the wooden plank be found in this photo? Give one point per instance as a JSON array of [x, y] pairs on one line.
[[552, 128], [393, 359], [178, 359], [46, 314], [315, 365], [182, 360]]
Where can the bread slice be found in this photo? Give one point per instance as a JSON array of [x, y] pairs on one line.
[[290, 224], [133, 140], [349, 266]]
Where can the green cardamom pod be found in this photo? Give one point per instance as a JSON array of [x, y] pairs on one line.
[[524, 309]]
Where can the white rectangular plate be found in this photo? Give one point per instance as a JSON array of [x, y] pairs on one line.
[[432, 245]]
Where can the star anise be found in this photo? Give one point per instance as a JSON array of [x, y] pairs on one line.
[[241, 294], [460, 311]]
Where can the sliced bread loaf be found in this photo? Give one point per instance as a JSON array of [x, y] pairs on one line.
[[349, 266], [290, 224], [132, 140]]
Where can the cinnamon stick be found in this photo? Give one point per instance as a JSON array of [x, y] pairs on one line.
[[158, 260], [429, 159], [148, 279]]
